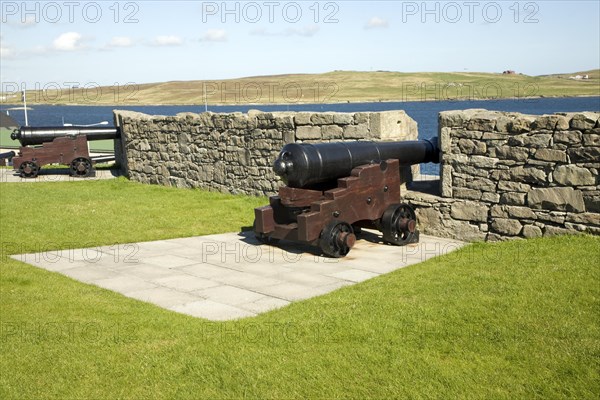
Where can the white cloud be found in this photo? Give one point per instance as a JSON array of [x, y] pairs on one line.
[[307, 31], [214, 35], [18, 21], [6, 52], [170, 40], [120, 41], [69, 41], [376, 22]]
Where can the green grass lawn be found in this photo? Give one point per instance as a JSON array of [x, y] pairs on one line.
[[509, 320]]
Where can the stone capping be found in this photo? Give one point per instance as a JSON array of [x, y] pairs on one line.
[[233, 152], [506, 175]]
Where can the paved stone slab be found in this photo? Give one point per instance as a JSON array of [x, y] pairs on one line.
[[230, 276], [212, 310], [54, 175]]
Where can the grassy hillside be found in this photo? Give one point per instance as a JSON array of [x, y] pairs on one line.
[[331, 87]]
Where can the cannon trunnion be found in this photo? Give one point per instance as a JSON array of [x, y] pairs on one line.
[[335, 189]]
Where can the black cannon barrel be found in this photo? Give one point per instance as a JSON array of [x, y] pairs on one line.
[[8, 154], [302, 164], [29, 135]]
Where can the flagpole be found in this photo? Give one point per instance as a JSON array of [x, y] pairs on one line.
[[205, 100], [25, 108]]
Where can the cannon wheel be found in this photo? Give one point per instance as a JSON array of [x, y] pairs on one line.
[[29, 169], [398, 225], [337, 238], [263, 237], [81, 166]]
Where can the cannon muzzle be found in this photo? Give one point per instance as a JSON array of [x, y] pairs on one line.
[[8, 154], [301, 164], [28, 135]]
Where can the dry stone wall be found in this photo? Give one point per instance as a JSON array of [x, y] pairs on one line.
[[234, 152], [507, 175]]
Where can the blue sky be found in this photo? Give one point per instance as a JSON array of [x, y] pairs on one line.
[[154, 41]]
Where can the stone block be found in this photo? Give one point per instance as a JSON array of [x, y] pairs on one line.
[[550, 230], [502, 123], [497, 211], [520, 212], [505, 226], [511, 186], [361, 118], [482, 184], [482, 124], [289, 136], [494, 136], [548, 122], [534, 140], [531, 231], [452, 119], [302, 118], [584, 154], [308, 132], [572, 175], [469, 211], [464, 193], [321, 119], [591, 139], [343, 118], [525, 174], [592, 201], [445, 140], [446, 180], [332, 132], [284, 122], [562, 123], [513, 198], [585, 120], [556, 198], [468, 146], [471, 170], [551, 155], [432, 222], [521, 124], [483, 161], [392, 125], [567, 137], [587, 218], [512, 153], [490, 197], [360, 131]]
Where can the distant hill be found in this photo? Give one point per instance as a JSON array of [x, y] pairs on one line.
[[331, 87]]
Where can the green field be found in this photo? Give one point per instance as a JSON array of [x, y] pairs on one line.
[[509, 320], [331, 87]]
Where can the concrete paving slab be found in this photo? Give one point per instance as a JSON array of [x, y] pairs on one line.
[[185, 283], [163, 297], [54, 175], [89, 274], [230, 295], [125, 284], [265, 304], [291, 291], [212, 310], [230, 276], [354, 275], [146, 272]]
